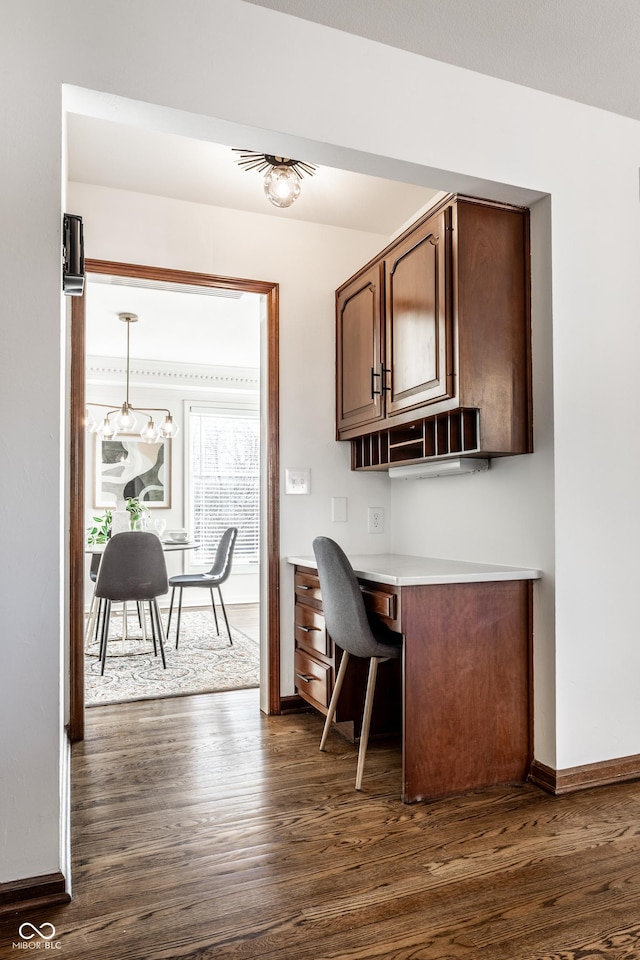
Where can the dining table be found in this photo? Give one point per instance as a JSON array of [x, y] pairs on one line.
[[168, 546]]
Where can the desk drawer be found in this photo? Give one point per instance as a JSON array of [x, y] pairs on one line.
[[313, 679], [310, 630], [381, 603], [307, 587]]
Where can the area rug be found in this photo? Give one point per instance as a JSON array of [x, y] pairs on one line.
[[203, 663]]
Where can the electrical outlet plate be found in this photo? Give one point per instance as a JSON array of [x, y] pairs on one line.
[[375, 520]]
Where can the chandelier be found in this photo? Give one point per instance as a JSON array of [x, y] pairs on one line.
[[282, 177], [123, 419]]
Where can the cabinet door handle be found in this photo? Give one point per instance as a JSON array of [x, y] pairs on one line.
[[305, 677], [302, 586], [306, 629], [383, 372], [374, 392]]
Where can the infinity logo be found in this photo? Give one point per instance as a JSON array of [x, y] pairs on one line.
[[36, 930]]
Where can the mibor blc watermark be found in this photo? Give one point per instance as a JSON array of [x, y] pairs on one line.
[[36, 938]]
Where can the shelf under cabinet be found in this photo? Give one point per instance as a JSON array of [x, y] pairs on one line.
[[448, 434]]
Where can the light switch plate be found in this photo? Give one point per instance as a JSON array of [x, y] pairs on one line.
[[297, 481]]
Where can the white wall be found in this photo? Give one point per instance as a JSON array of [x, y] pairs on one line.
[[358, 101]]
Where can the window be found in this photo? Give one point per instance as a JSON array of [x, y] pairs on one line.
[[224, 482]]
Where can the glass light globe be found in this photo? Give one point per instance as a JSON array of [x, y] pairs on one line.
[[126, 419], [107, 429], [282, 186], [169, 428], [149, 432]]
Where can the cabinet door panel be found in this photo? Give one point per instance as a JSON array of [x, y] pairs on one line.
[[418, 322], [358, 349]]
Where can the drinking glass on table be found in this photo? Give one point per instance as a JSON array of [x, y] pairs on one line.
[[160, 526]]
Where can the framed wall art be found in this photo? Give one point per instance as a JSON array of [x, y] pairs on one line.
[[129, 467]]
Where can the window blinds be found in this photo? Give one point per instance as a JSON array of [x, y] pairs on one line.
[[225, 483]]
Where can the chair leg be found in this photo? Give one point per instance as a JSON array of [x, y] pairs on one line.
[[173, 590], [142, 620], [98, 628], [215, 614], [97, 633], [366, 719], [179, 616], [334, 698], [226, 619], [93, 609], [106, 616], [159, 629], [154, 632]]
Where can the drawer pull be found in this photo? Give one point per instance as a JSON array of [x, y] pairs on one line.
[[305, 677], [306, 629], [302, 586]]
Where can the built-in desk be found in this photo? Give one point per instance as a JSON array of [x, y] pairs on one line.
[[466, 669]]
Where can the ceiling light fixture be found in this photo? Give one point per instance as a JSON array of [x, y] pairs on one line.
[[282, 175], [123, 419]]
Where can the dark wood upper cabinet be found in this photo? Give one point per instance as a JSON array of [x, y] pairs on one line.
[[433, 340], [359, 350], [419, 362]]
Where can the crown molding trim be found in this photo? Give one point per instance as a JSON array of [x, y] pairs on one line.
[[155, 373]]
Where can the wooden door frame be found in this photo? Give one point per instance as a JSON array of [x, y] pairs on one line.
[[77, 471]]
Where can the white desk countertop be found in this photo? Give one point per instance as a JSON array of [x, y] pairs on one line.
[[405, 571]]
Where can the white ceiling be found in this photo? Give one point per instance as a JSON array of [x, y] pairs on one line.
[[167, 165], [584, 50], [180, 327], [174, 324]]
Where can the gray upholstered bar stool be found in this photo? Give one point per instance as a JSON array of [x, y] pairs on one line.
[[350, 628], [133, 568]]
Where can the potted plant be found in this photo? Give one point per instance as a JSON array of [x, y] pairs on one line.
[[100, 531], [138, 513]]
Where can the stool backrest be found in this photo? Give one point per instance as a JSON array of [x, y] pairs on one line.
[[342, 604]]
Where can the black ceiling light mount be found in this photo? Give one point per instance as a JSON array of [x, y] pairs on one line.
[[282, 174]]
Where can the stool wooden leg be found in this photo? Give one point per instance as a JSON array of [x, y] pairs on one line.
[[334, 698], [366, 719]]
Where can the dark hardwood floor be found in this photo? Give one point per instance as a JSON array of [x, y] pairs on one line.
[[202, 829]]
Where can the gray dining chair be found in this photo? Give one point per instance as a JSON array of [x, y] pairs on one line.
[[133, 568], [215, 577], [353, 631]]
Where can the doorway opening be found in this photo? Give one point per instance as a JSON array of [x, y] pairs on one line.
[[260, 546]]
